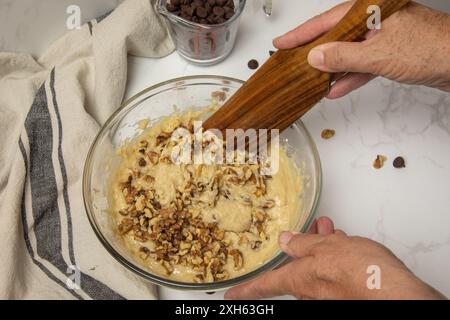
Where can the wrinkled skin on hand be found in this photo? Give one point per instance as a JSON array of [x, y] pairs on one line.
[[412, 47], [328, 264]]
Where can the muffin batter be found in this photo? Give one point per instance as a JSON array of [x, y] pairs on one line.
[[199, 223]]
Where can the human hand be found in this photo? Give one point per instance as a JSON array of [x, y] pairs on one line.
[[331, 265], [412, 47]]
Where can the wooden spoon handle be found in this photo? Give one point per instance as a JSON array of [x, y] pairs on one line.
[[286, 86]]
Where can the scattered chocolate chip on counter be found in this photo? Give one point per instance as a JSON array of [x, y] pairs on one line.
[[253, 64], [399, 163], [203, 11], [328, 134], [379, 162], [271, 52]]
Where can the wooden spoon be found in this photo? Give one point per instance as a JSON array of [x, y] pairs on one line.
[[286, 86]]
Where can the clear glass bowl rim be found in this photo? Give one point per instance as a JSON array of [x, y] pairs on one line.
[[155, 279]]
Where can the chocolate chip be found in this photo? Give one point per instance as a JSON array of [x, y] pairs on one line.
[[253, 64], [219, 11], [188, 11], [271, 52], [171, 7], [156, 204], [399, 163], [220, 20], [208, 8], [228, 15], [202, 12]]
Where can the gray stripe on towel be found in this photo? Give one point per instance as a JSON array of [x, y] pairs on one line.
[[44, 194], [93, 287]]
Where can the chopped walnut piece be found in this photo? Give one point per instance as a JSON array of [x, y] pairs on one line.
[[165, 213], [126, 225], [123, 212], [156, 204], [129, 198], [399, 162], [149, 179], [260, 216], [269, 204], [143, 143], [162, 138], [328, 134], [379, 162], [255, 244], [219, 234], [144, 252], [199, 278], [141, 236], [167, 266], [221, 276], [237, 258]]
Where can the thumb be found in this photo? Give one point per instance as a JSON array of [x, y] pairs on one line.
[[341, 57]]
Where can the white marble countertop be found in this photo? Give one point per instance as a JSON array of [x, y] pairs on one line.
[[407, 210]]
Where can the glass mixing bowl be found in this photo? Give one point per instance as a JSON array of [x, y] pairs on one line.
[[161, 101]]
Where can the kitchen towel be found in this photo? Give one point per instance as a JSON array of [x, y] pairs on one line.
[[50, 111]]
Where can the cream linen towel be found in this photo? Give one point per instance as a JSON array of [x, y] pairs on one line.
[[50, 110]]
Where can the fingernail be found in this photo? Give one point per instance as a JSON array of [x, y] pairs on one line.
[[285, 237], [324, 226], [322, 229], [316, 57]]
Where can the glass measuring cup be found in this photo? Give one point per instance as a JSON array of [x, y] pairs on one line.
[[199, 43]]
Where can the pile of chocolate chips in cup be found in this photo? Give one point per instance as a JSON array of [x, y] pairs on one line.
[[202, 11]]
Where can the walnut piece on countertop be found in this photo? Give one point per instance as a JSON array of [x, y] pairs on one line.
[[379, 161]]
